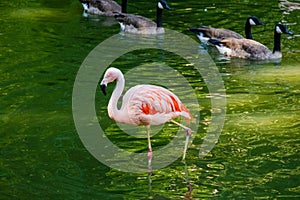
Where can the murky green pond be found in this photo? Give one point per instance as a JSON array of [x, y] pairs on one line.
[[42, 46]]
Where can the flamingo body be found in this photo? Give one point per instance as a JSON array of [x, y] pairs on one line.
[[152, 105], [143, 104]]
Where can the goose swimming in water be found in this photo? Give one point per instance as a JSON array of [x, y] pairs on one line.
[[103, 7], [250, 49], [141, 25], [204, 33]]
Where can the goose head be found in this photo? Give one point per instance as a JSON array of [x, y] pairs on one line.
[[254, 21], [162, 4], [280, 28]]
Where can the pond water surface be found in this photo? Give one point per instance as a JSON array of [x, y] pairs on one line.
[[42, 46]]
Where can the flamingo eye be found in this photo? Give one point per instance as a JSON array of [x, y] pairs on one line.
[[108, 75]]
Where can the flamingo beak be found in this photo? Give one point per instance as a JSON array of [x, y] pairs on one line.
[[103, 88]]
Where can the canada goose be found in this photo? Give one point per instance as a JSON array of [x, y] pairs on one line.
[[250, 49], [103, 7], [142, 25], [204, 33]]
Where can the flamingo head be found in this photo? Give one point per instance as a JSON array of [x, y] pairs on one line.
[[110, 75]]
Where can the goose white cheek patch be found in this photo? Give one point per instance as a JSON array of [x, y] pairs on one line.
[[160, 5], [278, 30], [85, 6], [252, 22]]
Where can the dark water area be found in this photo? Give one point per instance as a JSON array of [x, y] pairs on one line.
[[43, 45]]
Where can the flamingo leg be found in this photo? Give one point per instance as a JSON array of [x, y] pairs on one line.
[[188, 181], [188, 133], [149, 159], [149, 145]]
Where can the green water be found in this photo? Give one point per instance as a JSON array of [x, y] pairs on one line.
[[42, 46]]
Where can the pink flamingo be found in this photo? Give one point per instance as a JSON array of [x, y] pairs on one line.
[[144, 105]]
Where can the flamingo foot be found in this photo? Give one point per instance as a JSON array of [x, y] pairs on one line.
[[190, 188], [188, 195]]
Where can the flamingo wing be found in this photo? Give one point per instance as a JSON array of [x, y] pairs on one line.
[[149, 104]]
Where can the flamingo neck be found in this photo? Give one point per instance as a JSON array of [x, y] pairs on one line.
[[113, 111]]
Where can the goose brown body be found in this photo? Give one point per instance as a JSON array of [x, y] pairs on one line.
[[245, 48], [141, 25], [251, 49], [204, 33], [136, 24], [219, 33], [101, 7]]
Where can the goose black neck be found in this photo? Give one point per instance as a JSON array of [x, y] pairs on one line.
[[276, 42], [159, 17], [248, 30], [124, 6]]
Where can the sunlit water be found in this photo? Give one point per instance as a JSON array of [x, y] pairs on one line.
[[42, 46]]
